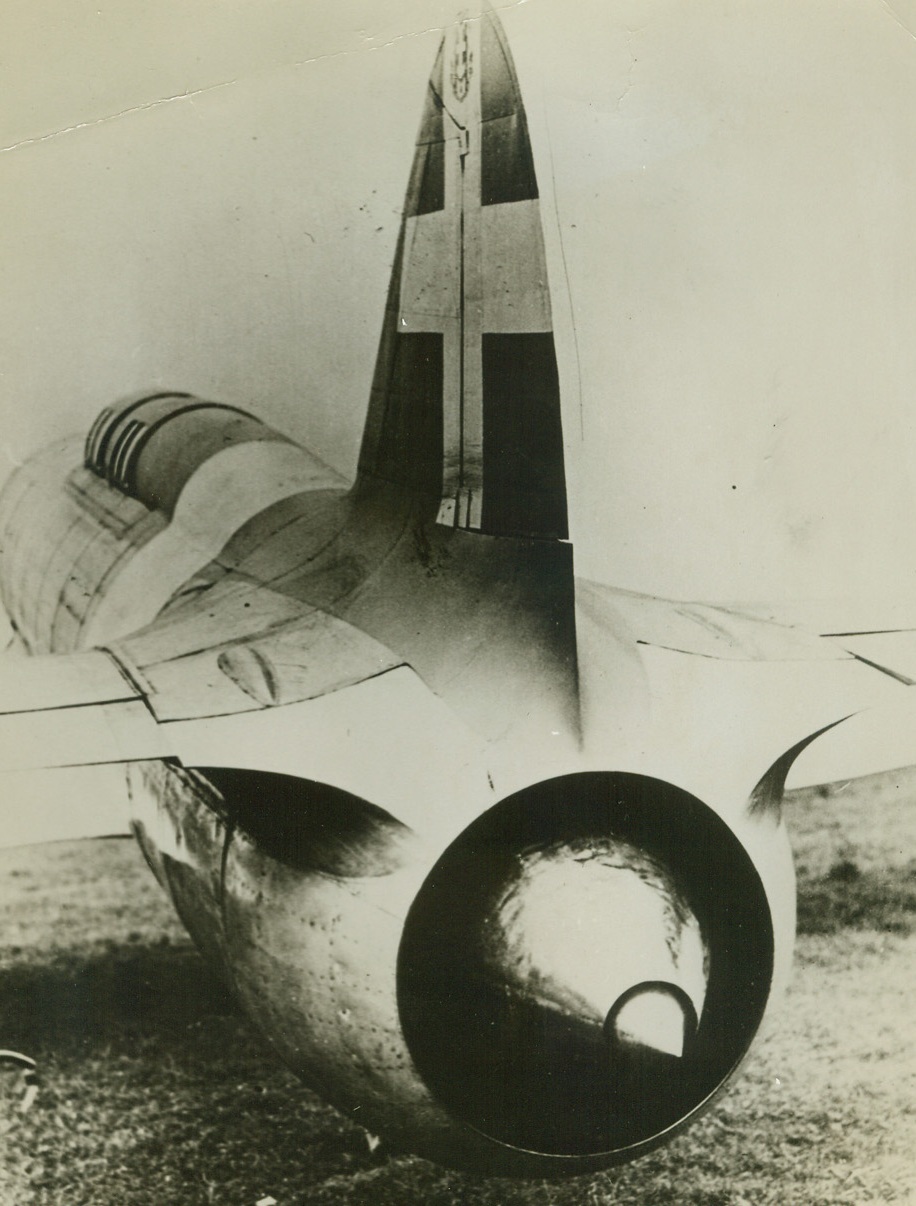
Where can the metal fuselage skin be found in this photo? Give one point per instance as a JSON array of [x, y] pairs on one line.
[[370, 912], [419, 801]]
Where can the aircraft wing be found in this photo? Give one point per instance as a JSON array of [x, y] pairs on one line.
[[704, 672], [718, 694], [879, 738], [75, 716], [114, 705], [67, 721], [72, 710], [708, 630], [881, 634], [892, 653]]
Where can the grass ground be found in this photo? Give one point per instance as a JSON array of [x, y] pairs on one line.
[[153, 1090]]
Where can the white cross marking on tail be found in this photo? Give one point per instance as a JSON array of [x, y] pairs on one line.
[[469, 269]]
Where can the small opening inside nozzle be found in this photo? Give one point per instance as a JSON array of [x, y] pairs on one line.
[[655, 1015]]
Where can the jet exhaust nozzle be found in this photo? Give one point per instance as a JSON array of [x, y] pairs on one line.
[[585, 966]]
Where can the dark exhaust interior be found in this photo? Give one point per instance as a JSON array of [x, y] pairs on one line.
[[585, 965]]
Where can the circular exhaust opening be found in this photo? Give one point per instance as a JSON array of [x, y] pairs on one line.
[[585, 965]]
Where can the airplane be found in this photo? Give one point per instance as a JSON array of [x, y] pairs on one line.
[[490, 851]]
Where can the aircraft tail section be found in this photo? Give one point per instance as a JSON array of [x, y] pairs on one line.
[[465, 404]]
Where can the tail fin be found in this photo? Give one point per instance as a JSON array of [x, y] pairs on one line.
[[465, 403]]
